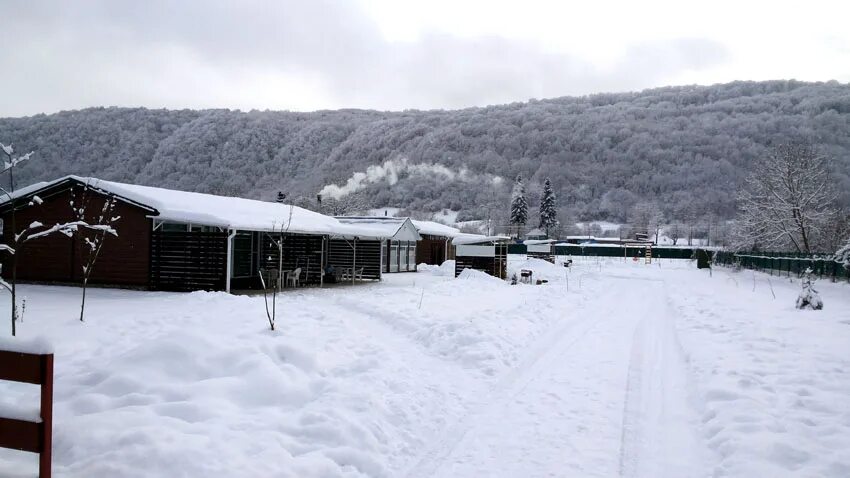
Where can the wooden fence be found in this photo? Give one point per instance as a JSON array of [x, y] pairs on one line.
[[187, 261], [33, 437], [341, 255]]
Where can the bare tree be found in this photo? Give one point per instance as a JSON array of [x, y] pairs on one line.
[[99, 228], [675, 232], [9, 165], [271, 315], [646, 217], [787, 201]]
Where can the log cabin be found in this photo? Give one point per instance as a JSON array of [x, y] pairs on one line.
[[178, 240]]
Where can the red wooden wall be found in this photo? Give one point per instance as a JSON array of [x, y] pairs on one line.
[[123, 261]]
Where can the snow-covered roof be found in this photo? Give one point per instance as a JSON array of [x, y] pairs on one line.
[[435, 228], [534, 242], [396, 228], [477, 239], [222, 211]]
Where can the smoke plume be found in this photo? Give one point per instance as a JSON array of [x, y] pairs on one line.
[[392, 169]]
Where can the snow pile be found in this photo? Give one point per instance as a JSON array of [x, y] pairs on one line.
[[541, 269], [474, 275], [446, 269], [771, 384], [354, 383]]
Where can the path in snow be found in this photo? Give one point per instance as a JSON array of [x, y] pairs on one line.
[[603, 395]]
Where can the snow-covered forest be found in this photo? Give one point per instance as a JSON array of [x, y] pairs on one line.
[[686, 148]]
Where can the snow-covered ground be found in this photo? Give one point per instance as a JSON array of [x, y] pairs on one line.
[[610, 369]]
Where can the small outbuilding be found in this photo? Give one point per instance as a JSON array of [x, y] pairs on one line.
[[396, 248], [483, 253], [540, 249], [436, 246]]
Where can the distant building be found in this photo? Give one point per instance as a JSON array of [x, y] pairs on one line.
[[536, 234]]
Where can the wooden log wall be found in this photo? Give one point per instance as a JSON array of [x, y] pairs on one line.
[[299, 250], [431, 250], [186, 261], [123, 261], [341, 254]]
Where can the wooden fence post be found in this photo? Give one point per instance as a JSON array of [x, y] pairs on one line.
[[23, 435]]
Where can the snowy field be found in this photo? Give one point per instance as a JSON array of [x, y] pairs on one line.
[[611, 369]]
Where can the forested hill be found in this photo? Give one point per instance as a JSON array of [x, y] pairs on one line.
[[685, 147]]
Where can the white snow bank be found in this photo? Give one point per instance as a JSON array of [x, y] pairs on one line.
[[541, 269], [355, 383], [479, 276], [446, 269], [637, 367]]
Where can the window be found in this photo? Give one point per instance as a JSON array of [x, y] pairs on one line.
[[402, 256], [394, 256], [412, 256], [384, 264], [243, 254]]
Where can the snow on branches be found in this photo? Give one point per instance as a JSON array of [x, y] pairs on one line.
[[809, 297], [101, 225], [788, 200], [842, 256], [11, 162]]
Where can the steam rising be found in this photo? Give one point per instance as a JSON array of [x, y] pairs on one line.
[[393, 168]]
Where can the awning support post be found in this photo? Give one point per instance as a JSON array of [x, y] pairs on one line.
[[231, 234]]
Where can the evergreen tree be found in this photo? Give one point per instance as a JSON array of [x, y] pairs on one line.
[[519, 206], [548, 212]]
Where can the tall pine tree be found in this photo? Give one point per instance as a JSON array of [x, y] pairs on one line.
[[519, 206], [548, 212]]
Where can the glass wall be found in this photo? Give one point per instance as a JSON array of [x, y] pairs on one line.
[[384, 263], [411, 254], [394, 256], [402, 256]]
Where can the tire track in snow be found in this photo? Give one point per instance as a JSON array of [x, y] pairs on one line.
[[660, 430], [551, 350]]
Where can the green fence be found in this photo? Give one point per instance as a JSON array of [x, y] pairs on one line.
[[785, 263], [619, 251]]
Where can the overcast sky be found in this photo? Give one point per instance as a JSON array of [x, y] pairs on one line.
[[391, 54]]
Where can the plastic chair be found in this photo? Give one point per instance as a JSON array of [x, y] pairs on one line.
[[293, 279]]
